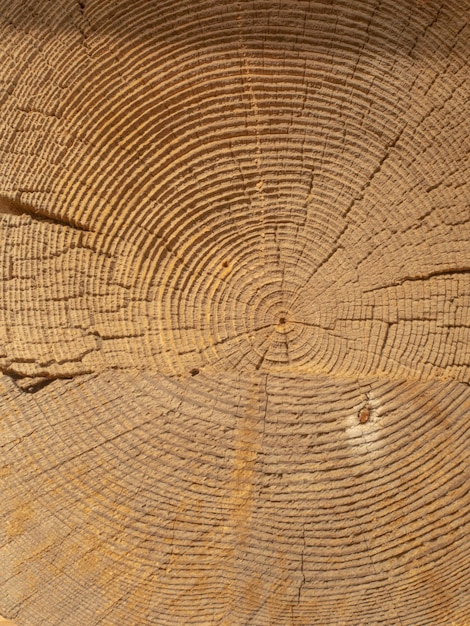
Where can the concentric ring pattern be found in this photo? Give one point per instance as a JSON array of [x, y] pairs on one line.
[[243, 167], [242, 229]]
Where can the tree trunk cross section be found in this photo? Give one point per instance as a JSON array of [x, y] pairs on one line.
[[234, 312]]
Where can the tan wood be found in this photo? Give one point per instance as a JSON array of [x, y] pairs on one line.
[[234, 312]]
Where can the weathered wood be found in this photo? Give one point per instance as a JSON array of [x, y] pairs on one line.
[[234, 312]]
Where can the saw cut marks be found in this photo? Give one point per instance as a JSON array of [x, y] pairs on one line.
[[208, 499]]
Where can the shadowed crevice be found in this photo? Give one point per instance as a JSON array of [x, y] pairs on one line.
[[15, 207], [29, 384]]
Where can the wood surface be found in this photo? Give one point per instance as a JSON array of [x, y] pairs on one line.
[[235, 312]]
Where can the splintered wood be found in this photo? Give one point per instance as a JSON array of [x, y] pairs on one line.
[[234, 312]]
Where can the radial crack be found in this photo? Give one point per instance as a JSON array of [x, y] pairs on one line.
[[447, 272], [8, 206]]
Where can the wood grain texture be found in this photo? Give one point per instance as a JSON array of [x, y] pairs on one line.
[[234, 312]]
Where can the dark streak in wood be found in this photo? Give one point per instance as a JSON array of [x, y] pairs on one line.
[[9, 206]]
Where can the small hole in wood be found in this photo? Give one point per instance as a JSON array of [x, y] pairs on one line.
[[225, 264], [282, 320], [364, 414], [194, 371]]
